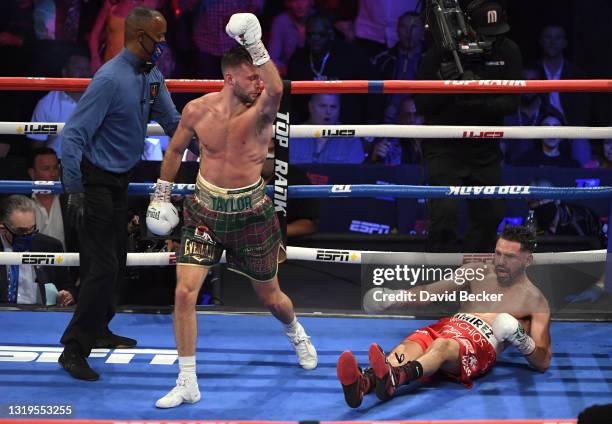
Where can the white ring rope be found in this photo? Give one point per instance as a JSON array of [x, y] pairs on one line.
[[391, 131], [341, 256]]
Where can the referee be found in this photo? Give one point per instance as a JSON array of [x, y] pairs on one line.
[[102, 141]]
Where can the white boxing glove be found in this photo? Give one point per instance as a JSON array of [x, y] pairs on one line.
[[246, 30], [507, 328], [162, 216]]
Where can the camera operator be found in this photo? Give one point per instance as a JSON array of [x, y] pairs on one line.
[[475, 161]]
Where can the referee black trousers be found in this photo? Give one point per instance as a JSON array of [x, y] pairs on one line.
[[484, 214], [103, 251]]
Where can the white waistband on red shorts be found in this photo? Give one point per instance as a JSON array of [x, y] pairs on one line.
[[481, 326]]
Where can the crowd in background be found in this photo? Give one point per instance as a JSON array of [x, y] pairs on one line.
[[308, 40]]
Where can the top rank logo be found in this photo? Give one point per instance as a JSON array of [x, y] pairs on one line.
[[489, 83], [490, 190]]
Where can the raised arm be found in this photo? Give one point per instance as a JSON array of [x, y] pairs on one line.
[[246, 30]]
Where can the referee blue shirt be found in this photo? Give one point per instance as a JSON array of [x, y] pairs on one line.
[[109, 124]]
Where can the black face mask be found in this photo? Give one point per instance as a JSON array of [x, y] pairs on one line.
[[545, 214], [22, 242]]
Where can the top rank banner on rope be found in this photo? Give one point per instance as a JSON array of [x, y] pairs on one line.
[[361, 190], [281, 131], [341, 87]]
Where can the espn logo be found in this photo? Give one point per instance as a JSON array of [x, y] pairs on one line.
[[40, 259], [333, 255], [337, 133], [478, 257], [369, 227]]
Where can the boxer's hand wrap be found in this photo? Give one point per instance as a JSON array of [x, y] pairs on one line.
[[163, 191], [246, 30], [507, 328], [162, 216]]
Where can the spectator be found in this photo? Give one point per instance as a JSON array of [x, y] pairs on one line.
[[302, 214], [26, 284], [56, 27], [324, 58], [559, 218], [473, 161], [556, 217], [574, 106], [57, 106], [209, 31], [376, 23], [550, 151], [325, 110], [401, 61], [16, 44], [395, 151], [342, 13], [606, 154], [528, 114], [110, 24], [16, 36], [57, 20], [288, 32], [44, 166]]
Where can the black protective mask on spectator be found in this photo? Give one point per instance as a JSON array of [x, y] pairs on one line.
[[22, 240]]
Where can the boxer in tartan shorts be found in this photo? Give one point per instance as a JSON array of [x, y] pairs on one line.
[[240, 221], [229, 210]]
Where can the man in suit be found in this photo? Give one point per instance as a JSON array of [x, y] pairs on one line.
[[26, 284], [555, 66], [43, 165], [50, 208]]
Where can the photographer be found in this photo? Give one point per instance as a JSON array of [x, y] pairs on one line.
[[474, 162]]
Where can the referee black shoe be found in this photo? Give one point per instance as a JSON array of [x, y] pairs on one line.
[[113, 341], [76, 365]]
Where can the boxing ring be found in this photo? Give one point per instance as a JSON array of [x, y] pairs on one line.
[[246, 368]]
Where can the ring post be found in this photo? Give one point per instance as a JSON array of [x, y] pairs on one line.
[[281, 158]]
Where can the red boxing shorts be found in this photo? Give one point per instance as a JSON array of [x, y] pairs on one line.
[[477, 344]]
